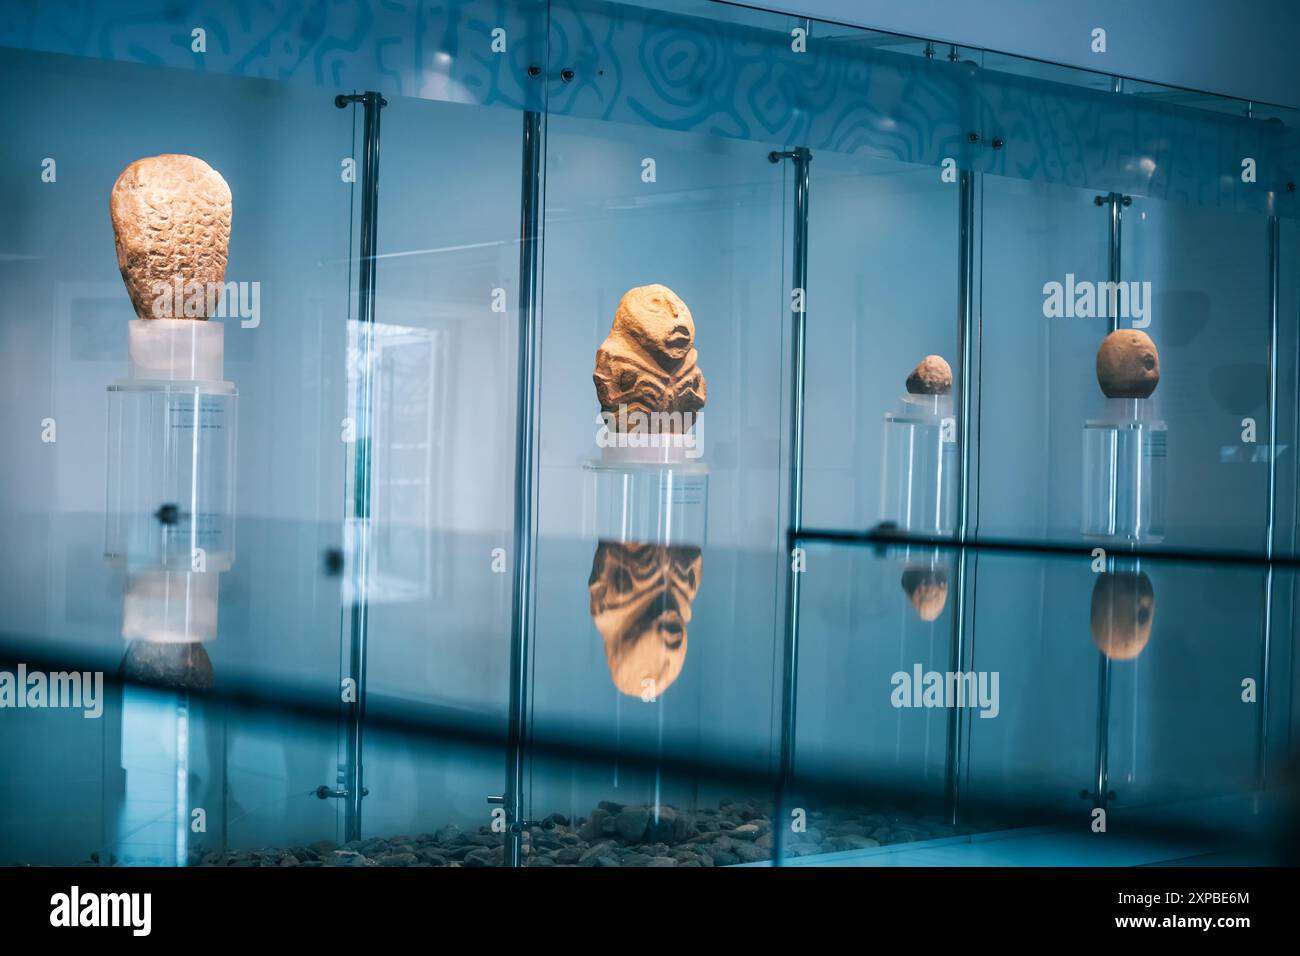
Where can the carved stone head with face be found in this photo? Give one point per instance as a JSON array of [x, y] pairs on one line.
[[171, 222], [658, 321], [641, 597], [648, 362]]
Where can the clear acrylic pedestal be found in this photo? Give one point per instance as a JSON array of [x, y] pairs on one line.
[[170, 486], [919, 480], [645, 496], [1124, 464]]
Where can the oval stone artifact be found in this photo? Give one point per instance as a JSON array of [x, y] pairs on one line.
[[171, 220], [1123, 609], [927, 589], [932, 377], [1128, 365]]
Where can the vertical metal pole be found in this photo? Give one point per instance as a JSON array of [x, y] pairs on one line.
[[530, 340], [1101, 764], [1274, 290], [363, 457], [801, 157], [966, 364], [965, 339], [1101, 786], [1116, 206]]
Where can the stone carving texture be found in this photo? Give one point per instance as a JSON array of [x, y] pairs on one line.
[[171, 220], [641, 597], [932, 376], [1123, 609], [168, 664], [648, 362], [1128, 365]]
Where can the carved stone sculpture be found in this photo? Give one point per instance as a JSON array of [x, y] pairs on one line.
[[648, 362], [171, 219], [1123, 609], [1128, 365], [932, 376], [641, 598], [927, 589]]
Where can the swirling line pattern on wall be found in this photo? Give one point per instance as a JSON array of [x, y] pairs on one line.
[[736, 77]]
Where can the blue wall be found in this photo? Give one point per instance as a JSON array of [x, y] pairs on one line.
[[1245, 50]]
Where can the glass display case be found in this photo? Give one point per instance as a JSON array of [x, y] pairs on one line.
[[660, 434]]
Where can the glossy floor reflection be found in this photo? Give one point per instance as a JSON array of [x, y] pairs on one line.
[[985, 706]]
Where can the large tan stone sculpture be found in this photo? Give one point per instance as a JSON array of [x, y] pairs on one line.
[[648, 363], [1123, 609], [641, 597], [932, 376], [171, 219], [1128, 365]]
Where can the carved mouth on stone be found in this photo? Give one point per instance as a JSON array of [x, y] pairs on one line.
[[679, 338]]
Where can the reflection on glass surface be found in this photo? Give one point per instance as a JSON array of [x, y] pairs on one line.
[[641, 596], [1123, 610], [927, 590]]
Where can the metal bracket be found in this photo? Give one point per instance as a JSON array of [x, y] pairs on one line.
[[519, 826], [344, 100], [340, 793]]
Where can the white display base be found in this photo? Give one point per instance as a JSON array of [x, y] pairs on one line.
[[170, 607], [176, 350], [660, 449]]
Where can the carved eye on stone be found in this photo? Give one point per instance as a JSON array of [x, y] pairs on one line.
[[627, 379]]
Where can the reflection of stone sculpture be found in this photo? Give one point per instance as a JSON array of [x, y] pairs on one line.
[[1128, 365], [648, 362], [932, 376], [171, 218], [178, 666], [641, 598], [1123, 608], [927, 589]]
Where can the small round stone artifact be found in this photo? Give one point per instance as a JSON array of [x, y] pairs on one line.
[[932, 377], [1128, 365], [927, 589]]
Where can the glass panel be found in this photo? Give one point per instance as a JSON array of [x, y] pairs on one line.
[[164, 582], [664, 272], [1132, 676], [442, 489], [1038, 380], [1205, 274], [869, 773], [883, 296]]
